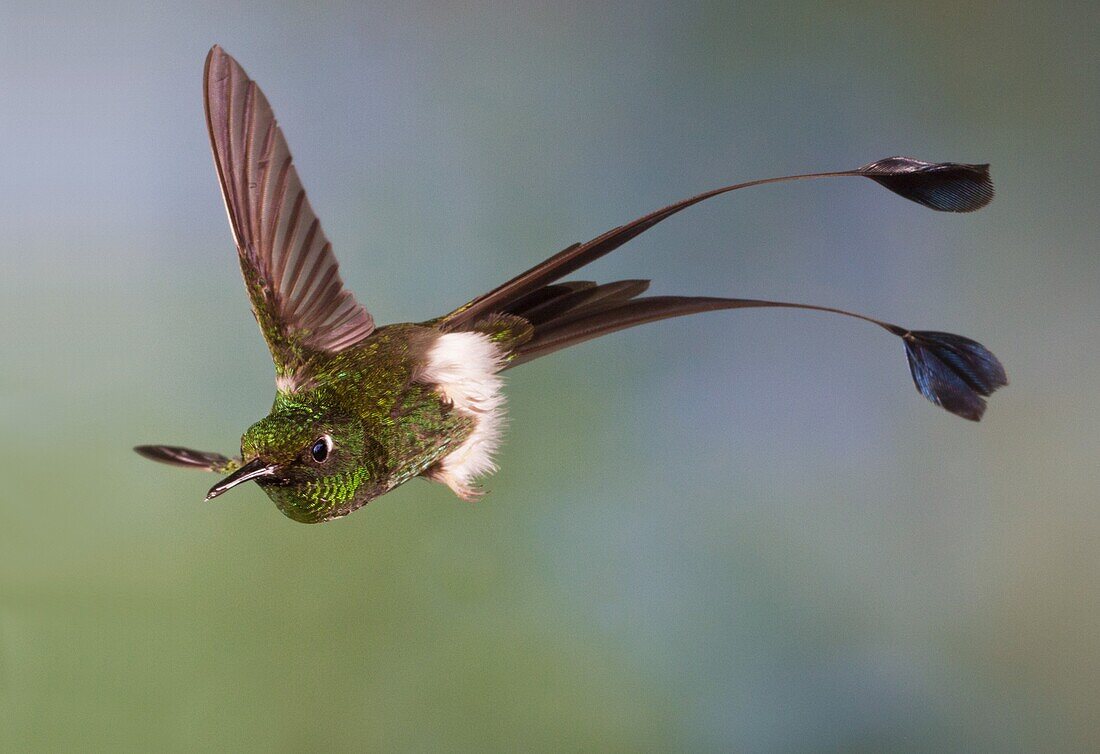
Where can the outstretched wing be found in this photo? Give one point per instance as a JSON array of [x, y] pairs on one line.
[[289, 269], [192, 459]]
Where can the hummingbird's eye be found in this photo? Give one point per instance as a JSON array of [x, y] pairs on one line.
[[321, 448]]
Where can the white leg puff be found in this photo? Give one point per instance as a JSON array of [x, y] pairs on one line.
[[464, 366]]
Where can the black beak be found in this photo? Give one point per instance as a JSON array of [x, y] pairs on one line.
[[254, 469]]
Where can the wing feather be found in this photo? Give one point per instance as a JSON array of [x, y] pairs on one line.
[[290, 272], [188, 458]]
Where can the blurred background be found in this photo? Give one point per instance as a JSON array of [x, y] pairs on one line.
[[739, 531]]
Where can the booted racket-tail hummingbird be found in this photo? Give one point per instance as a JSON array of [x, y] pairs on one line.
[[361, 409]]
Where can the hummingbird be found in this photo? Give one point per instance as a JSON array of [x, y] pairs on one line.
[[360, 409]]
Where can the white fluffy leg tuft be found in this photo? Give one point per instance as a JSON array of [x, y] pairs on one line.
[[464, 366]]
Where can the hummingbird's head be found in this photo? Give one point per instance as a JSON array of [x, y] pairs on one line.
[[315, 465]]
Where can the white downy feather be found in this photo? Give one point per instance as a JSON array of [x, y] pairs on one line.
[[464, 366]]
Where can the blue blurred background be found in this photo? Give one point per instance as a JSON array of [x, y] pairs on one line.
[[740, 531]]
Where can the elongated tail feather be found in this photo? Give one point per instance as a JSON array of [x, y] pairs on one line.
[[583, 299], [951, 371], [945, 187]]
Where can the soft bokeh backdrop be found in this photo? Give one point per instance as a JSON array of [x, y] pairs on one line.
[[741, 531]]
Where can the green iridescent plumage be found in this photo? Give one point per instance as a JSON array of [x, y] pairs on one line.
[[360, 410], [388, 427]]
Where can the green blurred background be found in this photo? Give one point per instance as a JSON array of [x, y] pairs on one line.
[[742, 531]]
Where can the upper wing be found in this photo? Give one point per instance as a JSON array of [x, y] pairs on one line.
[[289, 269]]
